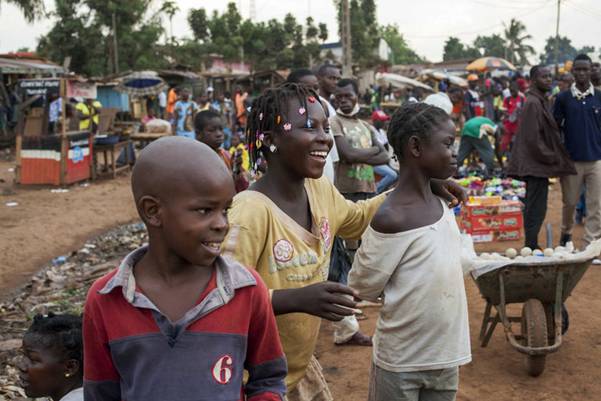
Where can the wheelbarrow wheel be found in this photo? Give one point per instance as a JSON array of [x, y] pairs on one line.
[[550, 314], [534, 331]]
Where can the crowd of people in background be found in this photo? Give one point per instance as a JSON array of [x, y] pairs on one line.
[[311, 211]]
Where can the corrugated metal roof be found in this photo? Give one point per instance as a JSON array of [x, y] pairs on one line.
[[22, 66]]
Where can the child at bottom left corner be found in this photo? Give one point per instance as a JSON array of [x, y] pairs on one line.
[[176, 320], [52, 363]]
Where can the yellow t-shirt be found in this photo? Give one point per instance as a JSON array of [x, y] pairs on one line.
[[84, 123], [245, 156], [286, 255]]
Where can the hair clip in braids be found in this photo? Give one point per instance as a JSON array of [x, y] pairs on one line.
[[302, 111], [260, 116], [278, 119], [308, 124], [311, 99], [287, 127]]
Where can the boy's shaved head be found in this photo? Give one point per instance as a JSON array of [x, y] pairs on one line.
[[182, 191], [171, 163]]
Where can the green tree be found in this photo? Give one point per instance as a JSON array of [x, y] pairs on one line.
[[31, 9], [170, 8], [401, 52], [265, 45], [366, 34], [364, 30], [566, 50], [323, 32], [491, 46], [516, 38], [83, 31], [312, 31], [198, 22], [454, 49], [74, 35]]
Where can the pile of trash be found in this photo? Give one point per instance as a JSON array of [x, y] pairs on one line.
[[60, 287]]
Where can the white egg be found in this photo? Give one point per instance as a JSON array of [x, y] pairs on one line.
[[537, 252], [495, 255], [511, 253], [548, 252], [526, 252]]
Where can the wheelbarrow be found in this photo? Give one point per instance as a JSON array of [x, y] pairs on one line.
[[542, 288]]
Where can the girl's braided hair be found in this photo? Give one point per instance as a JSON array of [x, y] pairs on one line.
[[413, 119], [269, 111], [60, 331]]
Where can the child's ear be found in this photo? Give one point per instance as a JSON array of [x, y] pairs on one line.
[[414, 146], [72, 368], [150, 210]]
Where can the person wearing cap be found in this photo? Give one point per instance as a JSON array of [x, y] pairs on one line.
[[473, 105], [474, 136], [388, 176]]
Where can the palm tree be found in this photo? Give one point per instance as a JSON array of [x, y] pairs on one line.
[[170, 8], [32, 9], [517, 50]]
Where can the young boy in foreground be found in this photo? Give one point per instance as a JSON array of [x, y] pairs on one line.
[[176, 321], [411, 253]]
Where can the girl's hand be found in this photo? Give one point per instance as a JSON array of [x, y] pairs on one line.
[[450, 191], [328, 300]]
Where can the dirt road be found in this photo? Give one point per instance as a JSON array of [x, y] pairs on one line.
[[44, 224]]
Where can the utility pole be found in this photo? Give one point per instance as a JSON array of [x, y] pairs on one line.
[[347, 53], [115, 48], [557, 38]]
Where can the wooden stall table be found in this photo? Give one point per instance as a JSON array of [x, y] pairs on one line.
[[109, 165], [146, 137]]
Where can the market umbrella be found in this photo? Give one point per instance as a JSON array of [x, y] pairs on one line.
[[490, 63], [439, 76], [143, 83], [400, 81]]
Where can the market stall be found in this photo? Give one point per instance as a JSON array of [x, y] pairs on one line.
[[494, 210], [58, 158]]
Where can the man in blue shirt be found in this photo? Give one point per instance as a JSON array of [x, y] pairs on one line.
[[578, 113], [184, 111]]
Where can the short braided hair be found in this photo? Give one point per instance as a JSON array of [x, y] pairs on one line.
[[268, 113], [298, 74], [413, 119], [535, 70], [60, 331]]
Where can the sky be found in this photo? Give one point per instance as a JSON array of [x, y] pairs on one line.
[[425, 23]]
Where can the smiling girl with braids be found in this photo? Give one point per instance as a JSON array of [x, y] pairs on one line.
[[284, 225], [411, 253]]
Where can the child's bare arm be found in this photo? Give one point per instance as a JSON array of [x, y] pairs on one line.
[[448, 190], [327, 300]]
